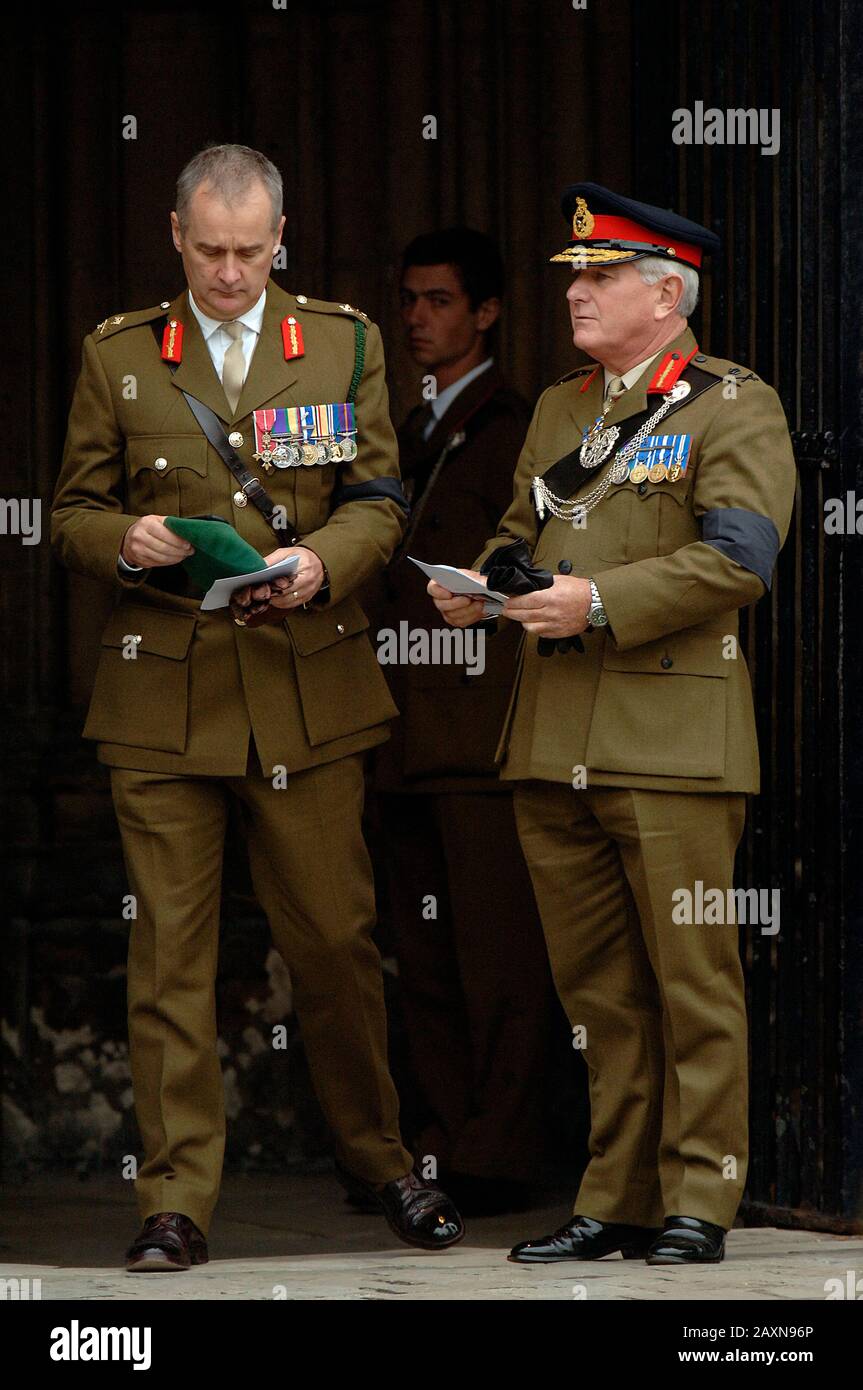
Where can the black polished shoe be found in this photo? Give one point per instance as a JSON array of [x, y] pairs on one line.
[[582, 1238], [685, 1240], [167, 1241], [417, 1210]]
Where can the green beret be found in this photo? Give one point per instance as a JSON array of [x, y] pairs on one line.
[[220, 551]]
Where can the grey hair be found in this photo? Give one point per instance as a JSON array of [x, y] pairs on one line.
[[654, 268], [230, 169]]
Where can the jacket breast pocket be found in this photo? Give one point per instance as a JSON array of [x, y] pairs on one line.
[[314, 490], [342, 687], [644, 520], [141, 694], [660, 709], [612, 520], [168, 474]]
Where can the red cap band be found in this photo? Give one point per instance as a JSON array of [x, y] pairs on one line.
[[607, 228]]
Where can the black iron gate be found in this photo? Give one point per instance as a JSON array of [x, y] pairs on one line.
[[784, 296]]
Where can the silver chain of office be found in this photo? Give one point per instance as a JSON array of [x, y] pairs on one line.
[[567, 509]]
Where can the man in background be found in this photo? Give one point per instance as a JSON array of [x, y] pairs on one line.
[[476, 986]]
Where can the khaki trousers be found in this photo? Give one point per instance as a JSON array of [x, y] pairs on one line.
[[313, 879], [662, 1004]]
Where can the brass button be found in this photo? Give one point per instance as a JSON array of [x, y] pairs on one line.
[[565, 567], [666, 663], [340, 628], [641, 489], [161, 464], [165, 304], [235, 439], [302, 299], [239, 499]]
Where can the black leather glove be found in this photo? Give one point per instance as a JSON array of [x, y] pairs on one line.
[[510, 570]]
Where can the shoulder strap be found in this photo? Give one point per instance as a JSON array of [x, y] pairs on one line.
[[251, 486]]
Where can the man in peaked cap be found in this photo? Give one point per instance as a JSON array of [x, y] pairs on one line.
[[657, 486], [209, 714]]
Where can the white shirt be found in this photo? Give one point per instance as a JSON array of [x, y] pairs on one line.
[[441, 403], [218, 341]]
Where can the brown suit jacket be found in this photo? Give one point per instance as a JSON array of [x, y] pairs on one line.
[[451, 721]]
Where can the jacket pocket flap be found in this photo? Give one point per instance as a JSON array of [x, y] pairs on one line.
[[160, 633], [678, 491], [312, 629], [682, 654], [165, 452]]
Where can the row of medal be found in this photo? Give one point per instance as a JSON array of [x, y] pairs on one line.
[[653, 456], [305, 435], [660, 458]]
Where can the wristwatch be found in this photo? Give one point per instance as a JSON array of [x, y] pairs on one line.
[[596, 614]]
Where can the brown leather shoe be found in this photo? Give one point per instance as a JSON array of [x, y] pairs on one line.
[[417, 1210], [167, 1241]]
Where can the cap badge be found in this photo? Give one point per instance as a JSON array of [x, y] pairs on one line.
[[583, 221]]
